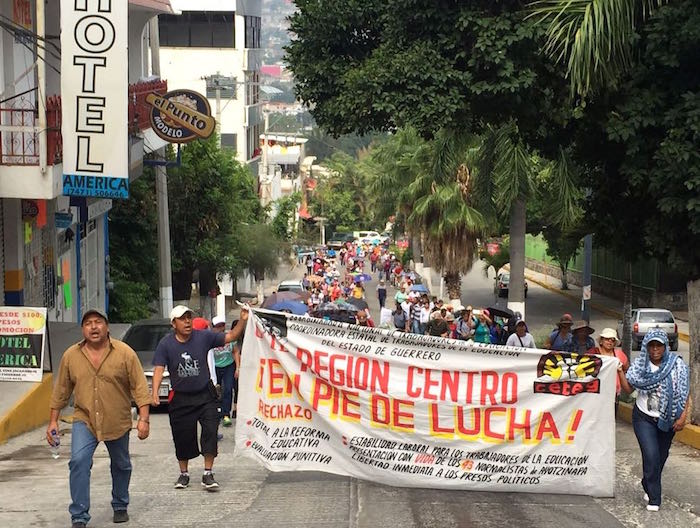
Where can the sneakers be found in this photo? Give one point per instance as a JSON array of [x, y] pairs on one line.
[[227, 421], [652, 507], [120, 516], [182, 481], [209, 483], [78, 524]]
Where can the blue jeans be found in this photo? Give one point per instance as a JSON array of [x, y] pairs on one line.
[[654, 444], [83, 445], [225, 377]]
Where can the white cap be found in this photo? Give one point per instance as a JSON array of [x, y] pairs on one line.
[[219, 319], [179, 311]]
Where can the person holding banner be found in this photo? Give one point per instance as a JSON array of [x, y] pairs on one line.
[[661, 379], [185, 352], [103, 375]]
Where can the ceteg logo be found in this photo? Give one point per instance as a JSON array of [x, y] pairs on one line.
[[567, 374]]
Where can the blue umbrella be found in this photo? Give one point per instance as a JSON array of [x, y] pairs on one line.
[[296, 307], [419, 288], [362, 277]]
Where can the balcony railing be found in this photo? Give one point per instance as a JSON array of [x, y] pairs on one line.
[[20, 146], [139, 110]]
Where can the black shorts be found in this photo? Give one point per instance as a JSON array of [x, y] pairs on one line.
[[185, 410]]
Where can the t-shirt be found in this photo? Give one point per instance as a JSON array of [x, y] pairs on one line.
[[187, 362], [620, 355], [437, 327], [649, 402], [223, 356], [527, 341], [400, 297], [482, 333]]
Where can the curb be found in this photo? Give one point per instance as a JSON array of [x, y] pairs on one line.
[[689, 435], [598, 307], [30, 412]]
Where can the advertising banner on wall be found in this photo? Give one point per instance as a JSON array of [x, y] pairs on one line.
[[22, 341], [419, 411], [94, 95]]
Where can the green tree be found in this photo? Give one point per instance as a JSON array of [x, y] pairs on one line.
[[260, 250], [448, 66], [133, 258], [284, 222], [210, 196]]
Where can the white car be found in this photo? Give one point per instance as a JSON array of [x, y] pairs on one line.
[[369, 237], [291, 285]]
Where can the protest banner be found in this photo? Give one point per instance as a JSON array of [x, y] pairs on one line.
[[412, 410], [22, 340]]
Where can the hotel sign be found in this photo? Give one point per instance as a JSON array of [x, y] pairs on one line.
[[94, 87]]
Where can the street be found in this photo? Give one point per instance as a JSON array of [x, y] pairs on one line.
[[35, 487]]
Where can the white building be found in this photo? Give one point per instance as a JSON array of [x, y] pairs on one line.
[[216, 43], [54, 249]]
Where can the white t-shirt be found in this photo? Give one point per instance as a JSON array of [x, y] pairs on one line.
[[424, 315], [527, 341], [649, 402]]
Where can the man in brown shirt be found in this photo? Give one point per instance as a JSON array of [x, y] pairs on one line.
[[105, 376]]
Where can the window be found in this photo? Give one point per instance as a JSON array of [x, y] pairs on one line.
[[229, 141], [252, 32], [253, 146], [226, 84], [197, 29], [252, 88]]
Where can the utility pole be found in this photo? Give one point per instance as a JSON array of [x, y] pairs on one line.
[[166, 279], [587, 272]]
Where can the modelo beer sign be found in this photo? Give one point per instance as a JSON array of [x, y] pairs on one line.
[[181, 116]]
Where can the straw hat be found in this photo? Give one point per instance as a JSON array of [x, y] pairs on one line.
[[609, 333], [582, 325]]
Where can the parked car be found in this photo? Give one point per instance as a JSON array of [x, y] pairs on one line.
[[143, 337], [502, 281], [291, 285], [338, 240], [644, 319], [369, 237]]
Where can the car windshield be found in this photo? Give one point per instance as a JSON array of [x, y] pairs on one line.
[[144, 339], [290, 287], [505, 277], [655, 317]]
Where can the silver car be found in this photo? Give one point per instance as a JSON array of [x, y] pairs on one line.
[[644, 319]]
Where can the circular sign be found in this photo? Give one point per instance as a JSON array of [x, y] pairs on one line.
[[181, 116]]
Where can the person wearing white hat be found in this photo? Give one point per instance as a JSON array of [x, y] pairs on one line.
[[607, 346], [184, 352]]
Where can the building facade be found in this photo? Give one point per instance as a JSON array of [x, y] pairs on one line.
[[213, 47], [54, 249]]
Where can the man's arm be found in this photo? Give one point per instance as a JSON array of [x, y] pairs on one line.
[[157, 378], [237, 331], [60, 396]]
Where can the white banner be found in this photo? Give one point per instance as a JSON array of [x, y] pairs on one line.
[[94, 97], [22, 343], [420, 411]]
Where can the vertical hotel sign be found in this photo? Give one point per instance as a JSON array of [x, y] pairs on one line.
[[94, 87]]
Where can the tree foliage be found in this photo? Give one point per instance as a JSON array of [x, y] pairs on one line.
[[210, 196]]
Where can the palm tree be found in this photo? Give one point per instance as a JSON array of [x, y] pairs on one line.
[[595, 37]]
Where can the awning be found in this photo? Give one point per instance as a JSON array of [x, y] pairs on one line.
[[270, 90]]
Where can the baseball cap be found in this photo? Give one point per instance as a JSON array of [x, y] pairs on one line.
[[219, 319], [200, 323], [94, 311], [179, 311]]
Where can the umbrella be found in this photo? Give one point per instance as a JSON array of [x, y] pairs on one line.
[[360, 304], [279, 297], [341, 306], [419, 288], [296, 307], [501, 312], [362, 277]]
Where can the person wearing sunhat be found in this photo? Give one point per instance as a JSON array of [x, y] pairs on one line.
[[662, 408], [581, 340], [560, 338], [103, 374], [607, 346], [185, 353]]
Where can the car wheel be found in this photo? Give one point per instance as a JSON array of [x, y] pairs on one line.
[[674, 345]]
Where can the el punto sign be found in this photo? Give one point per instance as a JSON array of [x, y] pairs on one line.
[[181, 116]]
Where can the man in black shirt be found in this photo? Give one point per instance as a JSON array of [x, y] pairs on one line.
[[185, 352]]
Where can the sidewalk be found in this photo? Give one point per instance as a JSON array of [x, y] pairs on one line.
[[601, 303]]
